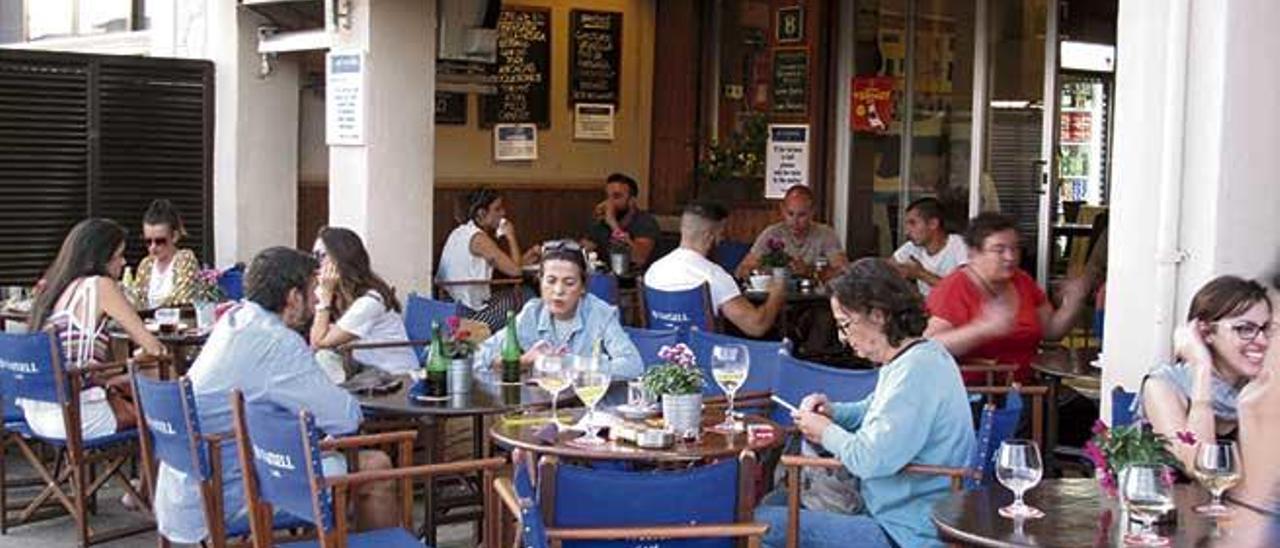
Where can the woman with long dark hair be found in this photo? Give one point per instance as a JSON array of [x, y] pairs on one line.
[[365, 305], [167, 275], [79, 294], [471, 254]]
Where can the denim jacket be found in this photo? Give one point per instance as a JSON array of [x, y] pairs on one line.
[[595, 320]]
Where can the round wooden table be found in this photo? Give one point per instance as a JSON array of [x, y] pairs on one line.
[[1058, 366], [1077, 513], [533, 434]]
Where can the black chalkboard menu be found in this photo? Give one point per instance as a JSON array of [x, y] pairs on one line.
[[595, 56], [790, 81], [522, 73], [451, 108]]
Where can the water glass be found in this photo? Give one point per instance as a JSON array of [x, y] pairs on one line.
[[167, 319], [1147, 493], [1018, 468], [1217, 467]]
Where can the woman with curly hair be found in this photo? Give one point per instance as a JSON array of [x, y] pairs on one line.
[[918, 414], [167, 275]]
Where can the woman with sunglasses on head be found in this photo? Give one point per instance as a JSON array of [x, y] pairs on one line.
[[1220, 349], [566, 319], [485, 241], [167, 275], [364, 304]]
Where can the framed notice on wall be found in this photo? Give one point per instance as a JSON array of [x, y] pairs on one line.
[[791, 81], [786, 159], [790, 25], [344, 103], [595, 56], [515, 142], [522, 74], [593, 122]]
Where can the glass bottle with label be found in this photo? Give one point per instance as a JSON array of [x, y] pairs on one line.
[[437, 365], [511, 351]]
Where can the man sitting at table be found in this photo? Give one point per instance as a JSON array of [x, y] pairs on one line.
[[618, 220], [701, 227], [930, 254], [257, 347], [804, 240]]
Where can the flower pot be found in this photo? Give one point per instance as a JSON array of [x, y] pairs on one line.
[[683, 413], [460, 376]]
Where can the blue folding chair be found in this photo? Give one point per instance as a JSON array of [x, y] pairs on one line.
[[231, 282], [1122, 408], [680, 310], [763, 373], [281, 454], [31, 369], [729, 254], [649, 341], [585, 507], [798, 378], [604, 286], [419, 312]]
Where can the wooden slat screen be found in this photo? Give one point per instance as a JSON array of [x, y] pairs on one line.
[[93, 135]]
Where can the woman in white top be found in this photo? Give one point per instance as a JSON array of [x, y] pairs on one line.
[[80, 292], [472, 252], [366, 307], [167, 276]]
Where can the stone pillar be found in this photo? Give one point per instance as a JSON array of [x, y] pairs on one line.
[[383, 188]]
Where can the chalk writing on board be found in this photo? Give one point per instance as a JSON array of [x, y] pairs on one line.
[[522, 73], [595, 52]]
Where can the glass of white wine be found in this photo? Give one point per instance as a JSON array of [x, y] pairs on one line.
[[1147, 492], [590, 384], [552, 374], [1018, 467], [1218, 469], [730, 365]]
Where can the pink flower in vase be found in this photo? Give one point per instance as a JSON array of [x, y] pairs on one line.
[[1186, 437]]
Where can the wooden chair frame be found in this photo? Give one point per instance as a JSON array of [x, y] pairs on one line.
[[990, 368]]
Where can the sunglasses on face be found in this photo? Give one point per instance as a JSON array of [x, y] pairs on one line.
[[158, 242], [1248, 331]]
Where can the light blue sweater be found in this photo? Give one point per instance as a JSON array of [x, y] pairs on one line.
[[918, 414]]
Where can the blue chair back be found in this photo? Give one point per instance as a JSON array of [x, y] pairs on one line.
[[649, 341], [678, 309], [169, 411], [604, 286], [419, 312], [30, 366], [1122, 412], [286, 454], [586, 497], [996, 425], [798, 378], [533, 531], [729, 254], [231, 282], [763, 373]]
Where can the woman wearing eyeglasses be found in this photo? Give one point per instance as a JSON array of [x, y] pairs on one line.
[[167, 275], [990, 309], [484, 242], [1221, 348], [566, 319]]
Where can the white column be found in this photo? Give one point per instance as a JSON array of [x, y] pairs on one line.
[[383, 189], [1194, 192]]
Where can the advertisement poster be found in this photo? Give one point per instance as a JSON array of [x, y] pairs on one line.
[[593, 122], [872, 109], [344, 98], [786, 159], [515, 142]]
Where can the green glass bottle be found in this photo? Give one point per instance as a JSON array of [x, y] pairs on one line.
[[511, 351], [437, 365]]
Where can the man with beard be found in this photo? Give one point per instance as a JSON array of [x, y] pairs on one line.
[[619, 221], [257, 347], [930, 254]]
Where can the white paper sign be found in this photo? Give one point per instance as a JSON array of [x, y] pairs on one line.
[[512, 142], [787, 160], [593, 122], [344, 98]]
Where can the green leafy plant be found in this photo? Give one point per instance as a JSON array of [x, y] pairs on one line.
[[1112, 449], [678, 375], [741, 155]]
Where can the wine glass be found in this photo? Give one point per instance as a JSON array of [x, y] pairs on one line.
[[1218, 469], [590, 382], [552, 374], [730, 364], [1147, 492], [1018, 468]]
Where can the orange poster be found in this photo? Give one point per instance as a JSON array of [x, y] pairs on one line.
[[872, 110]]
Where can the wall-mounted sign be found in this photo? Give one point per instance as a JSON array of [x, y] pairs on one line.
[[790, 25], [523, 70], [344, 97], [790, 81], [872, 108], [451, 108], [515, 142], [595, 56], [593, 122], [786, 159]]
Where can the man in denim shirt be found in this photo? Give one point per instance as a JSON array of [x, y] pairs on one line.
[[256, 348]]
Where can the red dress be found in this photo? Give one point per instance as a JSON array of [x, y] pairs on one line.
[[959, 299]]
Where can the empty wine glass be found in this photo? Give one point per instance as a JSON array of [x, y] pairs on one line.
[[1218, 469], [552, 374], [1147, 492], [1018, 468], [730, 365]]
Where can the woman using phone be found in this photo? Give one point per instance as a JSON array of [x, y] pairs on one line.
[[1220, 349], [484, 242]]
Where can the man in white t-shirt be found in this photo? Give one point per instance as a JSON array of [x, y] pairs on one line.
[[701, 226], [930, 253]]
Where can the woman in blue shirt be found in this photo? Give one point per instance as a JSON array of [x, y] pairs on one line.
[[918, 414], [566, 319]]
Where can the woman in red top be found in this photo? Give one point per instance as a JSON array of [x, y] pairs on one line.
[[990, 309]]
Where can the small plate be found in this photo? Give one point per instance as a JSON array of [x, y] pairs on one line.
[[633, 412], [155, 327]]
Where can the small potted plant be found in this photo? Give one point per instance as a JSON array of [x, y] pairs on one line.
[[206, 297], [775, 258], [678, 382], [459, 349], [1112, 449]]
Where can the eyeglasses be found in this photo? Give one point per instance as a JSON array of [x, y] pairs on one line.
[[318, 255], [1248, 331], [155, 241], [1003, 249]]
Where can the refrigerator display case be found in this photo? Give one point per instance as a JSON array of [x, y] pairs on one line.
[[1082, 141]]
